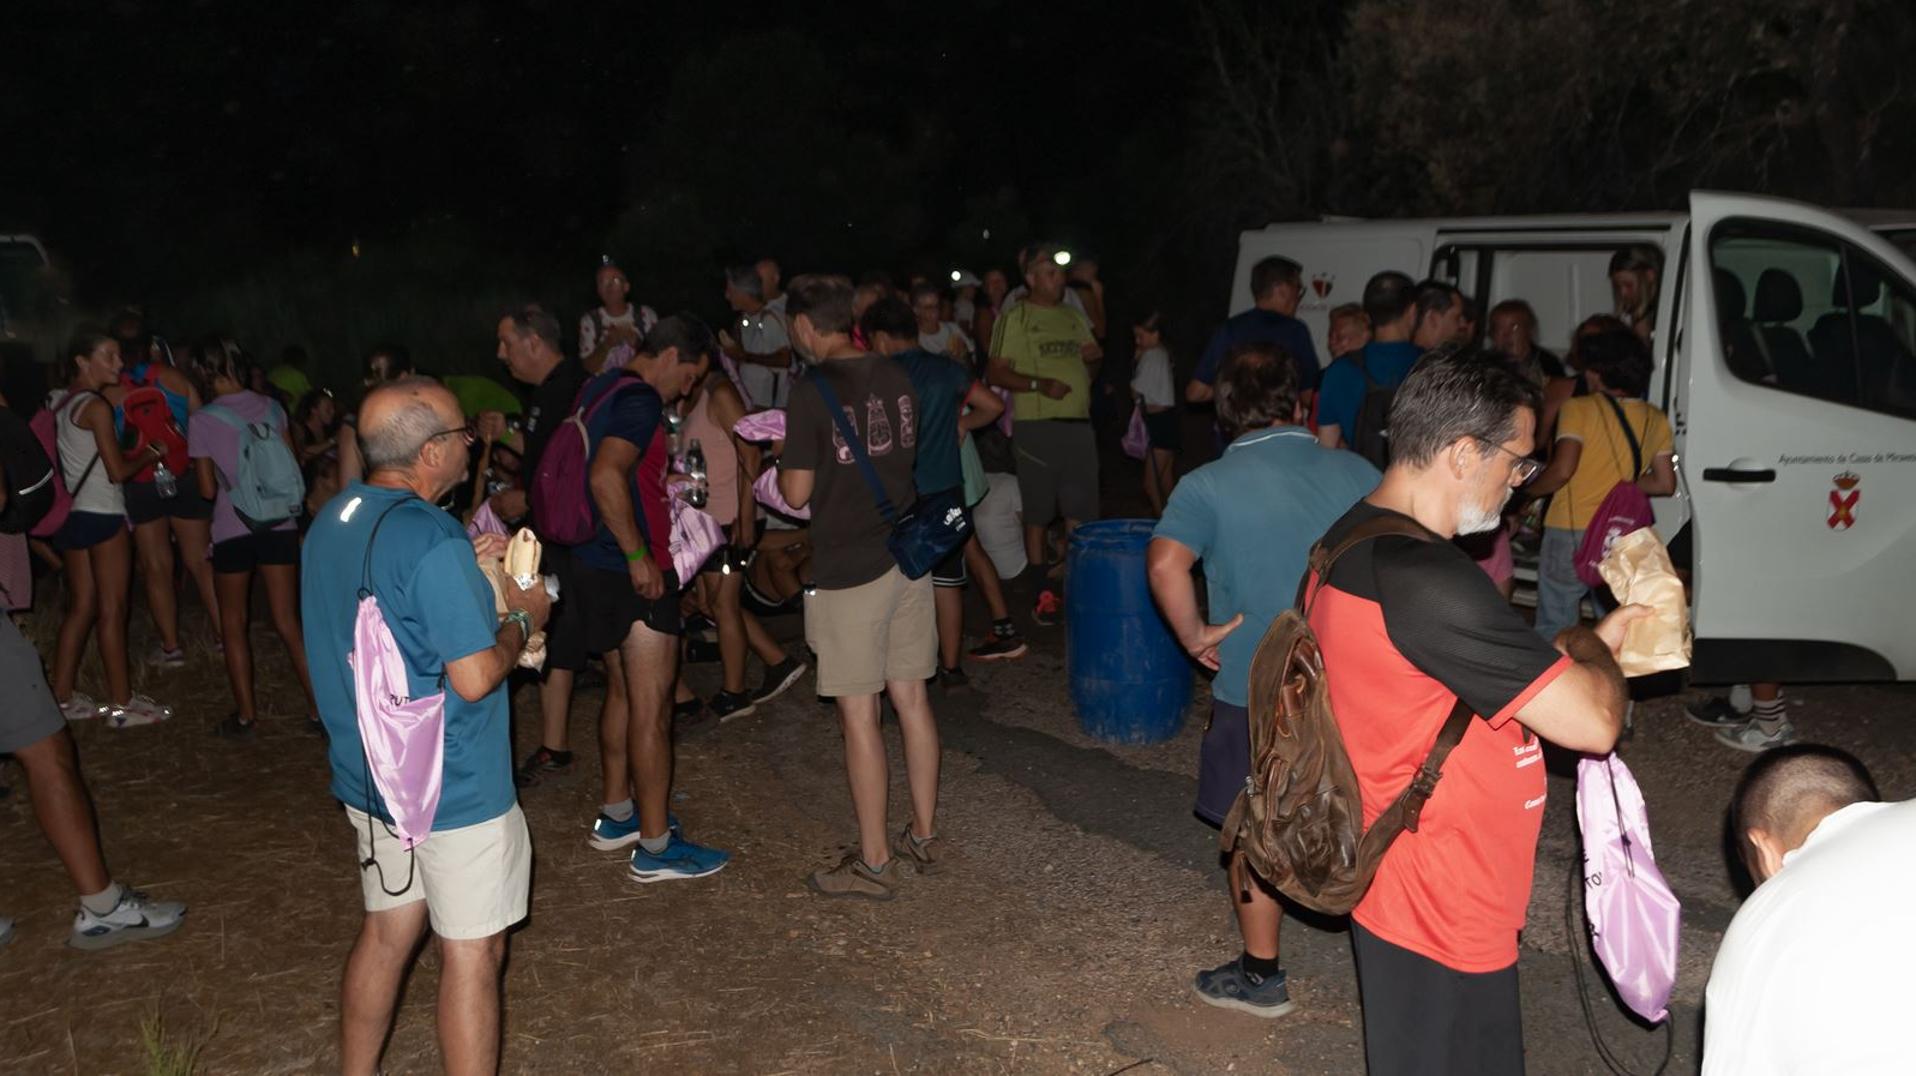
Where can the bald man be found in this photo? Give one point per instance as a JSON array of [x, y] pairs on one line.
[[468, 880], [1813, 974]]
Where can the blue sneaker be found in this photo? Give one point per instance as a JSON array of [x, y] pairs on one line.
[[681, 859], [610, 835], [1229, 986]]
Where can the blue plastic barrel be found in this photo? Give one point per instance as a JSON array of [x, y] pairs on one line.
[[1130, 680]]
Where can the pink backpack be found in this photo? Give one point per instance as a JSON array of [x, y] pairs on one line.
[[562, 489], [404, 738], [46, 429], [1625, 509], [1634, 918], [1137, 440]]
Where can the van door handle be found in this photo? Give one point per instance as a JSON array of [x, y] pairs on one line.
[[1734, 474]]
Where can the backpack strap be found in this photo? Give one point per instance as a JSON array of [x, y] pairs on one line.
[[1424, 782], [857, 447], [1322, 557], [1636, 450], [69, 415]]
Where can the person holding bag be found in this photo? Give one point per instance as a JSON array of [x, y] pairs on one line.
[[1609, 438]]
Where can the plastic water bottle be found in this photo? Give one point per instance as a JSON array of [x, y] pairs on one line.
[[164, 483], [695, 470]]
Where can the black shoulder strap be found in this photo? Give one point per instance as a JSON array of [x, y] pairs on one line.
[[1357, 360], [1636, 450], [366, 569], [850, 435]]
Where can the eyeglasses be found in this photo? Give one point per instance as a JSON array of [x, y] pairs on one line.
[[464, 431], [1523, 470]]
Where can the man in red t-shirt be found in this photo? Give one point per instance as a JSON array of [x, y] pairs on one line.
[[1407, 627]]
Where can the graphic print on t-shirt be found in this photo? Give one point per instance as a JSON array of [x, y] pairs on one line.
[[878, 431]]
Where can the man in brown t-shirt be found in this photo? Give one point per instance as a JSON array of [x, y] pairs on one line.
[[872, 629]]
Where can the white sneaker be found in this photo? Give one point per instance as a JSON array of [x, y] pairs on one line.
[[1751, 737], [135, 918], [80, 707], [167, 659], [139, 710]]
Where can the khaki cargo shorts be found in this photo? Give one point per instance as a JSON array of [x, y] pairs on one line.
[[866, 635]]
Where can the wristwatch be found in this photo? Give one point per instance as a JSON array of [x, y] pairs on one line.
[[524, 620], [1034, 385]]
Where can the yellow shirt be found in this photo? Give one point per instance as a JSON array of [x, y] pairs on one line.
[[1045, 341], [1606, 454]]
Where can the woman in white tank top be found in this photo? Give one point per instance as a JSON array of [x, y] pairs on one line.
[[93, 542]]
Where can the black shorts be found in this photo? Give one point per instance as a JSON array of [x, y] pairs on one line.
[[1420, 1016], [1165, 429], [144, 503], [951, 571], [249, 551], [606, 607], [1224, 761], [84, 530]]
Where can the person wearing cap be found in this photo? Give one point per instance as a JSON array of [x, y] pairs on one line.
[[1277, 287], [964, 296], [616, 320], [1059, 257]]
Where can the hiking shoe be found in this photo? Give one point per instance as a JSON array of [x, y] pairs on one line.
[[1229, 986], [1750, 736], [80, 707], [1002, 644], [1048, 609], [139, 710], [950, 680], [541, 763], [681, 860], [730, 704], [610, 834], [779, 678], [926, 857], [1716, 712], [167, 659], [852, 878], [135, 918], [234, 729]]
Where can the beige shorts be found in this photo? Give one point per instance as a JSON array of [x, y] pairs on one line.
[[474, 879], [866, 635]]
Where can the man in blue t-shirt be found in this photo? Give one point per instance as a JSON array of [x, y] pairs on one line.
[[1390, 300], [469, 879], [1277, 286], [1251, 517]]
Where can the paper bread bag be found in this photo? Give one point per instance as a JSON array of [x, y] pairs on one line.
[[1639, 571]]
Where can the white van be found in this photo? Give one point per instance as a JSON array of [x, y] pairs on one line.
[[1790, 383]]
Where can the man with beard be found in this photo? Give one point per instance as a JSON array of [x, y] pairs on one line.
[[1407, 626]]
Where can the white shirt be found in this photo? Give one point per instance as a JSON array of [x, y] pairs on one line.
[[1814, 973], [1152, 379], [639, 319], [938, 342], [93, 490]]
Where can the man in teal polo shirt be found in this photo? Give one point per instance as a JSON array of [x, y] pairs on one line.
[[1251, 517]]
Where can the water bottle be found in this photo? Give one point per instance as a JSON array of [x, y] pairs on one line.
[[695, 470], [164, 483]]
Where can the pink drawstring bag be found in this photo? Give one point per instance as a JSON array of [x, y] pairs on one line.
[[761, 426], [404, 738], [766, 491], [1137, 440], [695, 537], [1634, 918]]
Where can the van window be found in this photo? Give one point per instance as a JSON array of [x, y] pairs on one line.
[[1563, 284], [1806, 313]]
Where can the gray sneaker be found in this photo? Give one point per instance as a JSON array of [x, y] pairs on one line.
[[135, 918], [852, 878], [1750, 737], [1229, 986], [1716, 712]]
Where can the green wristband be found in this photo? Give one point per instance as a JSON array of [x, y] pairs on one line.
[[524, 620], [635, 556]]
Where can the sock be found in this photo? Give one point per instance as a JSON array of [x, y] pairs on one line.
[[921, 841], [618, 812], [655, 845], [1260, 968], [104, 901], [1769, 714]]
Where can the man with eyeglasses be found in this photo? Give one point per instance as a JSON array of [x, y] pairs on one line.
[[1408, 626]]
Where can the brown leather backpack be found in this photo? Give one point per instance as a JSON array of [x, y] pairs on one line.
[[1300, 819]]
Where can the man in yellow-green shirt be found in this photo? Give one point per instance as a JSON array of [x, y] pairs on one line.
[[1040, 351]]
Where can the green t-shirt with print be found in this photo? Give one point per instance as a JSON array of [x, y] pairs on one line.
[[1045, 341]]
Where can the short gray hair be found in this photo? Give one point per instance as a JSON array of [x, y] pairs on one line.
[[745, 278], [394, 444]]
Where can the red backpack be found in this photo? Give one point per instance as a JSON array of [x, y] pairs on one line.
[[1625, 509], [147, 418], [46, 429], [562, 508]]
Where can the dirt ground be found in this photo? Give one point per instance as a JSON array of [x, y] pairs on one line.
[[1063, 941]]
